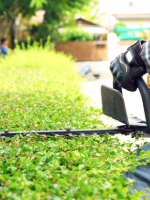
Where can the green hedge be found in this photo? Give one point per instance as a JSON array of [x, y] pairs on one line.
[[76, 34], [39, 91]]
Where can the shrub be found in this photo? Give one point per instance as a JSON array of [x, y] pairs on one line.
[[62, 168], [76, 34], [40, 90]]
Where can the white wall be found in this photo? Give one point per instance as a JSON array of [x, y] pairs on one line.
[[134, 23]]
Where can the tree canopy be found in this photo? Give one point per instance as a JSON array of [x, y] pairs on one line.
[[9, 10], [60, 13], [57, 13]]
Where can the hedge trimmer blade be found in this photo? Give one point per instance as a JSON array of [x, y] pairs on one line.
[[72, 133], [113, 106]]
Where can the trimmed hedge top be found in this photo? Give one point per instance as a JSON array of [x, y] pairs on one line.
[[39, 91]]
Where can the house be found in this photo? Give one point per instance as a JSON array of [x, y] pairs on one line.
[[128, 11], [86, 50], [134, 20], [96, 29], [124, 7]]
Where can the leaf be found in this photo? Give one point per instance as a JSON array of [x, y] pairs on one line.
[[80, 167], [148, 152], [7, 139], [43, 93], [4, 168], [37, 3]]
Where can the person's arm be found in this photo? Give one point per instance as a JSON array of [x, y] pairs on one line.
[[145, 55], [129, 66]]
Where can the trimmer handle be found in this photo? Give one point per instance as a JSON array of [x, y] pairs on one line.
[[116, 86], [145, 94]]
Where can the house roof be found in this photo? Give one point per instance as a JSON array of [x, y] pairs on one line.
[[85, 20], [132, 16], [80, 17]]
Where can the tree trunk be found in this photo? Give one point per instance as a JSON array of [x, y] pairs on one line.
[[1, 28], [12, 34], [7, 28]]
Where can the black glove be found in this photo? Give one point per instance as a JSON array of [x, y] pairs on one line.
[[127, 67]]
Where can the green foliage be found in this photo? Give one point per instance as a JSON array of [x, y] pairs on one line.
[[58, 10], [37, 3], [62, 168], [9, 11], [76, 34], [11, 8], [38, 32], [90, 11], [40, 90], [120, 24], [59, 14]]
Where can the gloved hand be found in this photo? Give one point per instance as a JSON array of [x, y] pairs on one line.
[[127, 67]]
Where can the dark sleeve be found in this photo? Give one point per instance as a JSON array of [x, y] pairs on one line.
[[145, 55], [141, 175]]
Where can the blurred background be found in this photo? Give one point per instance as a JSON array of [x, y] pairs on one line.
[[86, 29], [93, 32]]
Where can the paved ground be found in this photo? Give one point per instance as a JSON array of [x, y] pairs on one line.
[[92, 87]]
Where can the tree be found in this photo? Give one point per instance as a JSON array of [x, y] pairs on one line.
[[57, 12], [9, 10]]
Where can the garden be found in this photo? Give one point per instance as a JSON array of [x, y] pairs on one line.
[[40, 90]]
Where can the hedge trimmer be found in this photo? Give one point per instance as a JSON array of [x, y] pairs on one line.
[[113, 106]]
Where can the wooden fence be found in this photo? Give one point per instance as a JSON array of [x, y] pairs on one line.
[[90, 50], [84, 51]]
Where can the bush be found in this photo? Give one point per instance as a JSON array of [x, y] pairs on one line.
[[37, 32], [41, 42], [62, 168], [40, 90], [76, 34], [25, 44]]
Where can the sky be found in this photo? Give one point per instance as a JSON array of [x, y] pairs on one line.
[[125, 6]]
